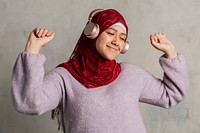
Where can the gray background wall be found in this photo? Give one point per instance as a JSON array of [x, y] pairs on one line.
[[178, 19]]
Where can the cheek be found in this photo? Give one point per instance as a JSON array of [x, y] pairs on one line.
[[123, 45], [98, 45], [101, 40]]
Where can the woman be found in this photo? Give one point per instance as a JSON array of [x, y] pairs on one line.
[[93, 92]]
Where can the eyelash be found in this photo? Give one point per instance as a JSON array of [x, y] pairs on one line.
[[110, 33], [123, 39]]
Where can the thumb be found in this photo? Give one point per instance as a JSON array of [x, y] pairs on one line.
[[51, 36], [47, 39], [155, 43], [154, 40]]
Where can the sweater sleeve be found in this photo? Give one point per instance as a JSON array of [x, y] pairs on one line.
[[172, 88], [32, 91]]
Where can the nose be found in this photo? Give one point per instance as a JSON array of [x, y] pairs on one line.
[[115, 40]]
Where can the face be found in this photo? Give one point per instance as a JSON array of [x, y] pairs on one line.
[[111, 42]]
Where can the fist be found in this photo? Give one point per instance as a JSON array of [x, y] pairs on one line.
[[38, 38], [160, 42]]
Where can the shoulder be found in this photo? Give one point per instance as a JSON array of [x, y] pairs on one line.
[[57, 74], [59, 71], [132, 69], [134, 73], [62, 74]]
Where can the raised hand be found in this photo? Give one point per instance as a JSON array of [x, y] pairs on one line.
[[160, 42], [38, 38]]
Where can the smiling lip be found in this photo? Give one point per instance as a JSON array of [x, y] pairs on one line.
[[112, 48]]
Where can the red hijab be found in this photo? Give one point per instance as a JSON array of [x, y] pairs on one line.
[[86, 64]]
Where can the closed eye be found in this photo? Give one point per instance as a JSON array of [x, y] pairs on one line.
[[123, 39], [110, 33]]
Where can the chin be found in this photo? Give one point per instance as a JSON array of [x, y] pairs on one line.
[[110, 58]]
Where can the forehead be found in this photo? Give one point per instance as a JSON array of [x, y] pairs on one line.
[[117, 28]]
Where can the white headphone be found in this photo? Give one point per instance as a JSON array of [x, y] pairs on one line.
[[92, 30]]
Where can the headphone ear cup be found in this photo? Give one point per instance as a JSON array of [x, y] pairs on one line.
[[91, 30], [125, 48]]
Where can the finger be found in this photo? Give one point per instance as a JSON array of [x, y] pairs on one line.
[[160, 37], [153, 39], [39, 34], [37, 30], [163, 38], [45, 31], [48, 39], [163, 34], [156, 34], [157, 37], [49, 33], [33, 33], [52, 35], [155, 44]]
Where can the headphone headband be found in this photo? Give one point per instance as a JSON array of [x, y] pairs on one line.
[[93, 13], [92, 30]]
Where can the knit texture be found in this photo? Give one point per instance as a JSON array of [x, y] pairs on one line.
[[112, 108]]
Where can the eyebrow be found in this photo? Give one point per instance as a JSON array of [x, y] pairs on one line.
[[116, 31]]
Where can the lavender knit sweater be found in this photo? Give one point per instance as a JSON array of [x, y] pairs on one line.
[[111, 108]]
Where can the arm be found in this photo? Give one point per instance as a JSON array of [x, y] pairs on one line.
[[172, 89], [32, 91]]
